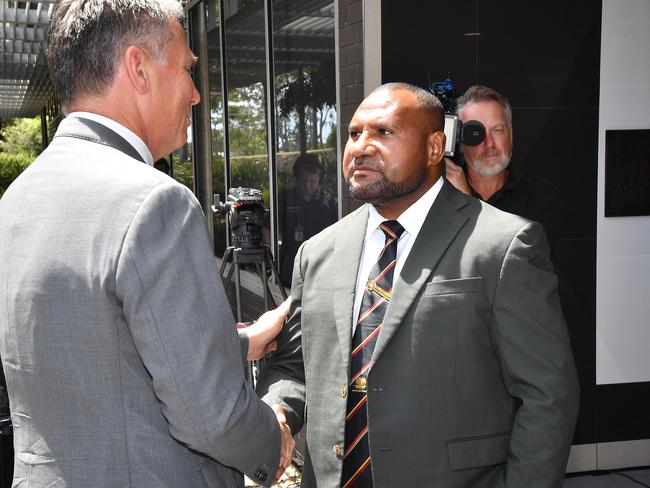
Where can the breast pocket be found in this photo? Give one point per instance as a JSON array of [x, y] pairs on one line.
[[454, 287], [451, 299], [449, 311]]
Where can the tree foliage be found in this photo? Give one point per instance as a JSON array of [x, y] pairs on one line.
[[247, 120], [22, 136], [20, 143], [306, 100], [11, 165]]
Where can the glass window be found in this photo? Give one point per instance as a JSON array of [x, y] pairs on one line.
[[217, 119], [180, 163], [246, 75], [305, 89]]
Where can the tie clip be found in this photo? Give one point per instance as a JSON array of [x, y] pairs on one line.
[[372, 285]]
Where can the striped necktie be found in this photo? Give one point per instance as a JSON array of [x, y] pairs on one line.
[[356, 461]]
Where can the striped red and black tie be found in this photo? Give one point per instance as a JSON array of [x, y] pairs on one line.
[[357, 471]]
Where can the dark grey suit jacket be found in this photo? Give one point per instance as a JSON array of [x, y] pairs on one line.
[[122, 360], [473, 382]]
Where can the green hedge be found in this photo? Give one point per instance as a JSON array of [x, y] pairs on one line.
[[11, 165]]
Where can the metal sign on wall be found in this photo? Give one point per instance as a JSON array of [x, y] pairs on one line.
[[627, 173]]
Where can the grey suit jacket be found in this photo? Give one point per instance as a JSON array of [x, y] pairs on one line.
[[473, 382], [123, 365]]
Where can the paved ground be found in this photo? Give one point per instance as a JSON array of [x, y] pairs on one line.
[[629, 478], [290, 479]]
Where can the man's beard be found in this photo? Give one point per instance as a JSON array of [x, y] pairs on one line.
[[492, 169], [383, 190]]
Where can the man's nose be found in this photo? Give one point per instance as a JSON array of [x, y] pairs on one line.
[[489, 140], [362, 146]]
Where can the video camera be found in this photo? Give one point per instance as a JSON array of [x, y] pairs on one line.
[[246, 216], [471, 133]]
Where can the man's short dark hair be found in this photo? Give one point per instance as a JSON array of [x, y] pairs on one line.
[[481, 93], [310, 163], [87, 37], [427, 100]]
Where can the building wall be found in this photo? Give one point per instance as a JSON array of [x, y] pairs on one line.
[[623, 247], [623, 259], [351, 76]]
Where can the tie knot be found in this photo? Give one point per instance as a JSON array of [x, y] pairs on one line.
[[391, 228]]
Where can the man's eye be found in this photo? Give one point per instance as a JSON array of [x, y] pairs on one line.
[[354, 134], [384, 132]]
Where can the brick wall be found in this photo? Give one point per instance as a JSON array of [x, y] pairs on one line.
[[350, 76]]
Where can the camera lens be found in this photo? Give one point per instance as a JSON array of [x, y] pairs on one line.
[[472, 133]]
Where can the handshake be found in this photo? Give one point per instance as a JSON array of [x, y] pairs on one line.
[[262, 340]]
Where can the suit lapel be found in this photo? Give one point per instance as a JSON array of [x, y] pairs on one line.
[[438, 231], [347, 256]]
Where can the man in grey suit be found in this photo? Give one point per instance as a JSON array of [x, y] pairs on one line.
[[123, 363], [469, 381]]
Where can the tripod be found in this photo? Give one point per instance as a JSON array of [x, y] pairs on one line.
[[263, 260]]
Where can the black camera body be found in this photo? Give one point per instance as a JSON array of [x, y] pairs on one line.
[[247, 211], [471, 133]]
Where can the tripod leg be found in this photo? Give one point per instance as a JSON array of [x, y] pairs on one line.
[[268, 257], [265, 286], [236, 265], [228, 277], [227, 258], [250, 366]]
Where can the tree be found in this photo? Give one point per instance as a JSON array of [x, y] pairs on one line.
[[247, 120], [310, 93], [23, 136], [11, 165]]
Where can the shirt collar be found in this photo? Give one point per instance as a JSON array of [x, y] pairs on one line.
[[512, 181], [413, 217], [130, 136]]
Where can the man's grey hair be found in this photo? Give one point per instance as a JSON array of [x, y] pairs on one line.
[[480, 93], [427, 100], [87, 38]]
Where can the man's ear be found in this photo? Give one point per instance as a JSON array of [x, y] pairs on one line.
[[137, 66], [436, 147]]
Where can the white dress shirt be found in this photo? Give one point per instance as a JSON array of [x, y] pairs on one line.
[[412, 220], [130, 136]]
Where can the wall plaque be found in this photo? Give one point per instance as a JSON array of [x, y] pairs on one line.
[[627, 172]]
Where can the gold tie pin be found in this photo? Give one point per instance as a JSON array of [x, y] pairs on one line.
[[373, 286]]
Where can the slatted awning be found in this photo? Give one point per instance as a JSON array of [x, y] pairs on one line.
[[24, 82]]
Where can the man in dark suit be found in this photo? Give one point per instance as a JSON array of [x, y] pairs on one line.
[[308, 208], [425, 346], [122, 360]]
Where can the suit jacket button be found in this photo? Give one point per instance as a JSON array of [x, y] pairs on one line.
[[337, 450], [344, 390], [261, 475]]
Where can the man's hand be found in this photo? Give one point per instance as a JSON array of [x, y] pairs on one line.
[[456, 176], [261, 335], [286, 451]]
